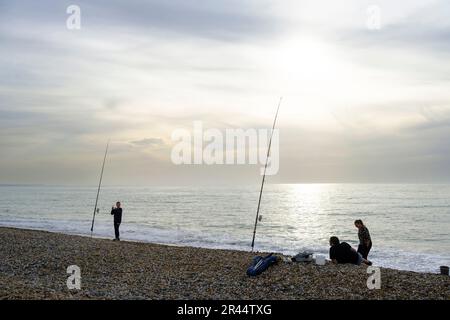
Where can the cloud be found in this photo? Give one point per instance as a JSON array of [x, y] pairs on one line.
[[224, 21], [423, 26], [149, 142], [138, 70], [435, 117]]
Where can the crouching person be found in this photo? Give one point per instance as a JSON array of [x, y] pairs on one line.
[[342, 252]]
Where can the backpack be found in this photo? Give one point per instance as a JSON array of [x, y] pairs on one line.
[[303, 257]]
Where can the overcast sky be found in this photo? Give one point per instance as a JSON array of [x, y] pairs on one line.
[[359, 105]]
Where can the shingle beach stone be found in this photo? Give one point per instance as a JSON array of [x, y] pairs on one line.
[[33, 265]]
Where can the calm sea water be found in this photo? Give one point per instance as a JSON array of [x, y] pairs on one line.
[[409, 224]]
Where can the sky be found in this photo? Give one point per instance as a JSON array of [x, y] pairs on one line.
[[360, 104]]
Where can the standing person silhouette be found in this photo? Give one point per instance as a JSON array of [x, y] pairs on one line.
[[365, 241], [117, 213]]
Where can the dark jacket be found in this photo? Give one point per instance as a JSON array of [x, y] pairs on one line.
[[364, 236], [117, 212], [343, 253]]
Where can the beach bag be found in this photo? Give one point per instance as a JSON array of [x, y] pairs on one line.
[[303, 257], [260, 264]]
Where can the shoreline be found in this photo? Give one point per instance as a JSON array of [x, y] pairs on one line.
[[186, 245], [33, 265]]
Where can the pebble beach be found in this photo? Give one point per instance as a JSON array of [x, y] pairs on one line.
[[33, 265]]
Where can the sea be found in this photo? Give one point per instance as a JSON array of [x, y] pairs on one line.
[[409, 223]]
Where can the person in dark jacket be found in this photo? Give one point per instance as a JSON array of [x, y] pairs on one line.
[[365, 242], [342, 252], [117, 213]]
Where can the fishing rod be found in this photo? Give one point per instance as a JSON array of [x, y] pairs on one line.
[[264, 175], [98, 190]]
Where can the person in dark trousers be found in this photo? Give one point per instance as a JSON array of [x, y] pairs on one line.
[[342, 252], [365, 242], [117, 213]]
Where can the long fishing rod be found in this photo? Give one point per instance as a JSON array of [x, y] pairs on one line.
[[99, 186], [264, 175]]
